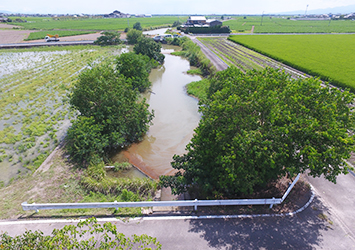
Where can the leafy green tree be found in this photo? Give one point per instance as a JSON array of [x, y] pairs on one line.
[[109, 102], [176, 23], [133, 35], [147, 46], [259, 126], [79, 237], [85, 140], [108, 38], [135, 67], [137, 26]]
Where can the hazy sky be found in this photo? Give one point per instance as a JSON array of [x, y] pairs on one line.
[[167, 6]]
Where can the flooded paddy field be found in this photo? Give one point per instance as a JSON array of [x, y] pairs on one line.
[[34, 113]]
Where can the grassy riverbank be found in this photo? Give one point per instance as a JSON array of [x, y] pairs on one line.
[[61, 182]]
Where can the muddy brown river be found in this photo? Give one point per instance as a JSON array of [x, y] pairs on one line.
[[176, 117]]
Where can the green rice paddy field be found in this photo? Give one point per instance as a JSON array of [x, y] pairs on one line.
[[96, 24], [330, 57], [279, 24], [34, 115]]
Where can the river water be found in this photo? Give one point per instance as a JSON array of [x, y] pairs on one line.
[[176, 117]]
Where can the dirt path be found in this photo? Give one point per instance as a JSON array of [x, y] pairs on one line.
[[13, 36]]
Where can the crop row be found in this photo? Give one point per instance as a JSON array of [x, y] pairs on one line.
[[33, 112], [235, 55]]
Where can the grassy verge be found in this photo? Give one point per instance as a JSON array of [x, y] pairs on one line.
[[195, 72], [199, 88], [61, 33], [196, 57], [62, 182]]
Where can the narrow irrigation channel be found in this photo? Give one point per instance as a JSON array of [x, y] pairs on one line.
[[176, 117]]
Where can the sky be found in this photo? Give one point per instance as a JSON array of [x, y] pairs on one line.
[[167, 6]]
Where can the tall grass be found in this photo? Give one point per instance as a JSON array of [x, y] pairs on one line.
[[196, 57]]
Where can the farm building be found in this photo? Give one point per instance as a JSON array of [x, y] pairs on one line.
[[199, 20], [213, 22]]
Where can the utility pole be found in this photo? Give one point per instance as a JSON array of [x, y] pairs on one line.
[[262, 16], [305, 13]]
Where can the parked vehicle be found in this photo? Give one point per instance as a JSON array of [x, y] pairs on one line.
[[159, 39], [51, 38]]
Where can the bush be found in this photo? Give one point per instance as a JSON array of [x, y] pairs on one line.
[[137, 26]]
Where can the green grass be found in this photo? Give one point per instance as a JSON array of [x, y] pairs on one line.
[[326, 56], [198, 89], [195, 71], [61, 33], [97, 24], [61, 183], [284, 25]]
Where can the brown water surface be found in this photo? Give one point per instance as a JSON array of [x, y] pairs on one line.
[[176, 117]]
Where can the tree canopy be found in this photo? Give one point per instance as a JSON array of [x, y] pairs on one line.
[[261, 125], [110, 115], [147, 46], [136, 68], [137, 26], [133, 35], [108, 38]]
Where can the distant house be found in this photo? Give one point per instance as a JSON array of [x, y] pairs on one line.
[[196, 20], [213, 22], [117, 14], [199, 24]]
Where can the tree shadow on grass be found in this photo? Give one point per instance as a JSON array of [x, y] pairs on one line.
[[302, 231]]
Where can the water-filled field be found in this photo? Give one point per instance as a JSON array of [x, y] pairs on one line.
[[34, 114]]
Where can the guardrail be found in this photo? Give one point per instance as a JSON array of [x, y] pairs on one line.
[[189, 203]]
